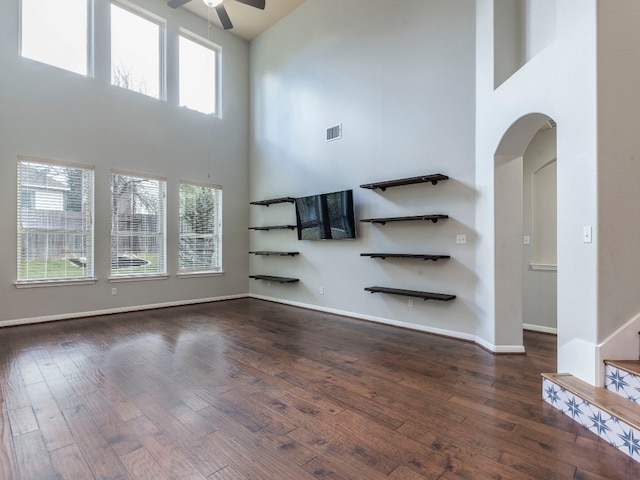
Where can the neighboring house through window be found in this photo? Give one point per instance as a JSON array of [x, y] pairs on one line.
[[200, 248], [55, 221]]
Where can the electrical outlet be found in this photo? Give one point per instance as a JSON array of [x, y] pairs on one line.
[[114, 291], [321, 290], [527, 240], [461, 239], [411, 303], [586, 234]]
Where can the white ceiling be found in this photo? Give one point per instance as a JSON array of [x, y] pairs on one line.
[[248, 22]]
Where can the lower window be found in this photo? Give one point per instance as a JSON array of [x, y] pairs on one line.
[[200, 249], [55, 229], [138, 225]]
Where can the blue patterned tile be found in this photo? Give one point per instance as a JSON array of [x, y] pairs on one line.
[[623, 383]]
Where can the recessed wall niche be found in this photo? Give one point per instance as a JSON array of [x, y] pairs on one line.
[[521, 30]]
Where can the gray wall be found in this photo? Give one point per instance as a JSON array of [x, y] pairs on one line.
[[400, 77], [51, 113]]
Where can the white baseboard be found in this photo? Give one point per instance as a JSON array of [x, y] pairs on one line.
[[395, 323], [540, 328], [108, 311], [501, 349]]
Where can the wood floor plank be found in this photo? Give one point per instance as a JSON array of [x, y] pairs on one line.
[[53, 427], [204, 457], [172, 403], [264, 418], [161, 416], [101, 411], [539, 466], [118, 400], [227, 473], [22, 420], [336, 467], [39, 393], [255, 461], [172, 461], [286, 446], [69, 463], [14, 389], [33, 460], [94, 446], [247, 389], [8, 461], [141, 465], [30, 371]]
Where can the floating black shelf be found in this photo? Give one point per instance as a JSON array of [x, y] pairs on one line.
[[271, 278], [281, 254], [433, 179], [412, 293], [266, 203], [435, 258], [274, 227], [383, 221]]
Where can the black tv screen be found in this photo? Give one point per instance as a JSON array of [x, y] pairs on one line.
[[328, 216]]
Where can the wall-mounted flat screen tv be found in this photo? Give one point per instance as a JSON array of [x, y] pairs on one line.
[[328, 216]]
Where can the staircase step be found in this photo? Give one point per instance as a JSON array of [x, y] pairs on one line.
[[610, 416], [622, 377], [631, 366]]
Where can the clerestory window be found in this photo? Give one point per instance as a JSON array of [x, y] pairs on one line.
[[56, 33]]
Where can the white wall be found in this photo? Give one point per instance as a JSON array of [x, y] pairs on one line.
[[399, 76], [522, 29], [509, 38], [51, 113], [540, 20]]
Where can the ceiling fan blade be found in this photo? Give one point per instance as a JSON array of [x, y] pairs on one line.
[[254, 3], [224, 17], [177, 3]]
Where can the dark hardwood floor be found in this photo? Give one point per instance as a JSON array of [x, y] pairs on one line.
[[247, 389]]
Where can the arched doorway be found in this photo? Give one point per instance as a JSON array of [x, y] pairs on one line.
[[509, 228]]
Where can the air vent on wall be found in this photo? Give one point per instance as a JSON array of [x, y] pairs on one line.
[[334, 132]]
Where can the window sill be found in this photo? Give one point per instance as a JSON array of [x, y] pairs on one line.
[[543, 267], [200, 274], [137, 278], [56, 283]]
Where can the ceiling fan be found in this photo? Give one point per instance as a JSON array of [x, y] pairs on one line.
[[220, 10]]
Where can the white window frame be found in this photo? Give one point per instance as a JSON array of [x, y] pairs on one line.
[[217, 49], [215, 236], [89, 72], [162, 42], [160, 234], [83, 265]]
